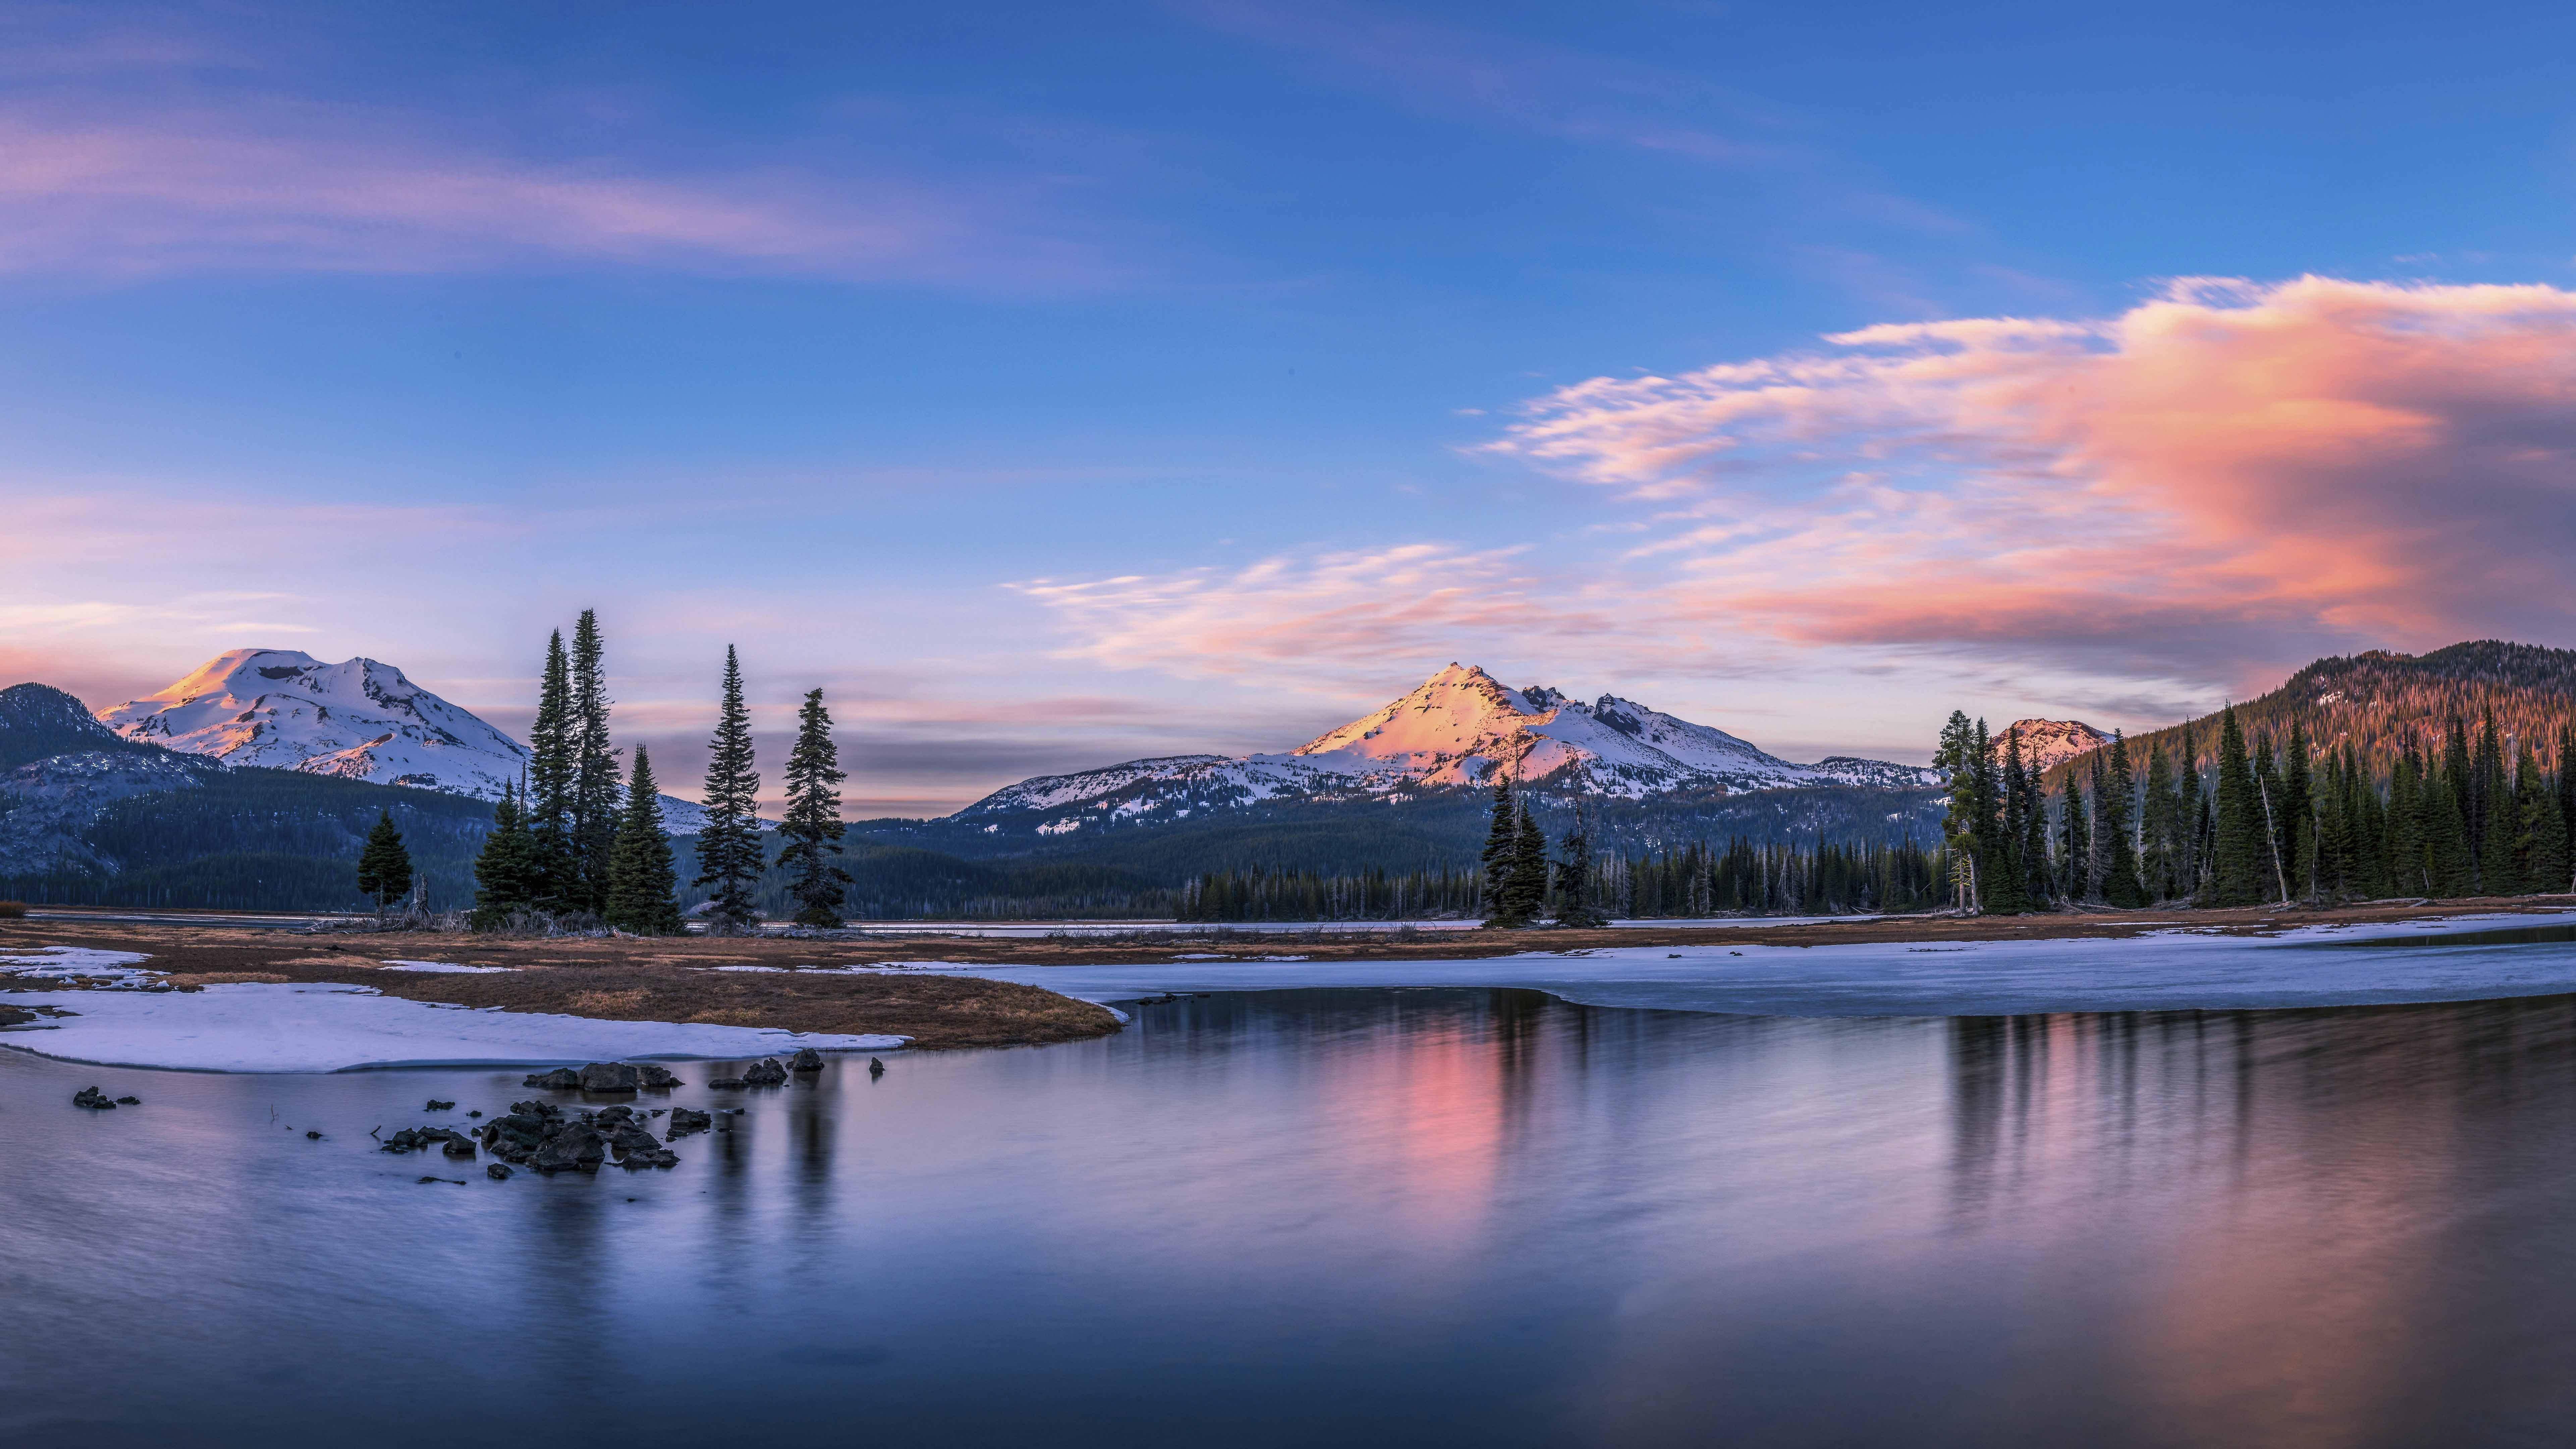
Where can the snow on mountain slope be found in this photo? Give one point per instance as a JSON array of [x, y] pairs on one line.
[[1457, 728], [2047, 742], [358, 719]]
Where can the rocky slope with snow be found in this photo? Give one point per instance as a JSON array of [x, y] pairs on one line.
[[2047, 743], [1459, 728]]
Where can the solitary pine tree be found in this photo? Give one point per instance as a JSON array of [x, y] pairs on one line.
[[729, 851], [2112, 817], [509, 876], [640, 873], [812, 825], [2275, 822], [2237, 851], [1502, 834], [2003, 866], [384, 866], [1529, 866], [2449, 867], [594, 768], [550, 779], [2408, 870]]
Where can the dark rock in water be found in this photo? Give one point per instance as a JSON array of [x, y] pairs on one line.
[[129, 1101], [459, 1147], [314, 1136], [765, 1073], [608, 1077], [727, 1082], [685, 1121], [455, 1181], [94, 1099], [477, 1112], [435, 1105], [496, 1172], [611, 1115], [574, 1146], [656, 1079], [536, 1109], [561, 1079], [875, 1068], [649, 1157], [806, 1060]]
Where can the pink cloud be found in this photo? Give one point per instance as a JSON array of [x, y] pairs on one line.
[[337, 189], [2301, 462]]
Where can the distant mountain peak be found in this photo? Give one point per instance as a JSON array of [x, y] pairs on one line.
[[359, 719], [1460, 727]]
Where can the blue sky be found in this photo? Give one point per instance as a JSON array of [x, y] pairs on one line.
[[1055, 384]]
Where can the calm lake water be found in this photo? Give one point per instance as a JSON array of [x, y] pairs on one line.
[[1421, 1217]]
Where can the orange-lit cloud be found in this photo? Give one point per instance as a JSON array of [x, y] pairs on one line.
[[2227, 479]]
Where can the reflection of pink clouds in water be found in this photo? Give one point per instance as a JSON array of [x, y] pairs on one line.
[[1421, 1115]]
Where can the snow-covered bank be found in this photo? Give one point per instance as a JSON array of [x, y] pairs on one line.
[[2163, 971], [254, 1027]]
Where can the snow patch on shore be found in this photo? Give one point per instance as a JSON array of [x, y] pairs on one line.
[[62, 963], [257, 1027], [445, 967]]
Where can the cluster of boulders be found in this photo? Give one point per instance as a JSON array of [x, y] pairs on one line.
[[98, 1101], [768, 1073], [606, 1077], [421, 1139], [543, 1136]]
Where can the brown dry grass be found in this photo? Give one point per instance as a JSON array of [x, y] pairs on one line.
[[619, 980]]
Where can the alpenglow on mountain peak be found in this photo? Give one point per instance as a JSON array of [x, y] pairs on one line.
[[1457, 728]]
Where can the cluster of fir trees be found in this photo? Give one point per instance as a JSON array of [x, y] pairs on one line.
[[2271, 822], [1521, 884], [576, 843]]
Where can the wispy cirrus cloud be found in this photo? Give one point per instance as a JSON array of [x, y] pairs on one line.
[[2226, 479], [144, 190]]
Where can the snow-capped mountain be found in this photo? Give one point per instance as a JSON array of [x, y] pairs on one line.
[[1459, 727], [359, 719], [2049, 742]]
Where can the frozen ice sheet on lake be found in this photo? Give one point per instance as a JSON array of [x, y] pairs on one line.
[[257, 1027], [2161, 971]]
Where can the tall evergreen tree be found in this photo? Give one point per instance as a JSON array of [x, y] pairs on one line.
[[2191, 820], [384, 866], [1577, 903], [2298, 812], [2275, 819], [2448, 863], [2157, 826], [595, 783], [509, 875], [730, 857], [2120, 885], [2409, 870], [2237, 853], [2332, 875], [2073, 846], [2564, 775], [549, 802], [1502, 836], [1529, 866], [2540, 846], [2486, 790], [811, 828], [2500, 820], [641, 877]]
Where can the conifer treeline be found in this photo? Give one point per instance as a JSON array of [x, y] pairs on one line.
[[2264, 820], [1741, 877]]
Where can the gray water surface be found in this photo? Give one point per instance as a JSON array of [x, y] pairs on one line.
[[1437, 1216]]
